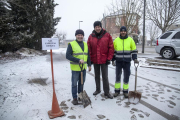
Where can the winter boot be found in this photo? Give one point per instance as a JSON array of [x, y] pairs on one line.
[[108, 95], [75, 101], [125, 95], [96, 92], [116, 94]]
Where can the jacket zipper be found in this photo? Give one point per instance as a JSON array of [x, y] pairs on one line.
[[123, 49]]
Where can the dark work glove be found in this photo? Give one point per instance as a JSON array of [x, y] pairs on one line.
[[107, 62], [136, 61]]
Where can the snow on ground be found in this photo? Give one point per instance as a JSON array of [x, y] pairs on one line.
[[26, 92]]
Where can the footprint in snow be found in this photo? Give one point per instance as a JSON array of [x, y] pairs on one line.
[[171, 98], [171, 102], [131, 112], [147, 114], [64, 108], [63, 103], [160, 92], [155, 95], [133, 117], [140, 115], [174, 96], [144, 97], [168, 90], [72, 117], [101, 116], [148, 95], [155, 98], [102, 99], [177, 92], [170, 106], [126, 106], [80, 116], [118, 101]]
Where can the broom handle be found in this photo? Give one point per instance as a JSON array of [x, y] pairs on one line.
[[136, 74], [81, 78], [135, 78]]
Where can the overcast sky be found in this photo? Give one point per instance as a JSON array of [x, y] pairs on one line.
[[73, 11]]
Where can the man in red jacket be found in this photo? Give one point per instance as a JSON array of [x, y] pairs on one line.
[[101, 51]]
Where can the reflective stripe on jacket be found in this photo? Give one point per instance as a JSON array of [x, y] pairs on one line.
[[125, 49], [78, 53]]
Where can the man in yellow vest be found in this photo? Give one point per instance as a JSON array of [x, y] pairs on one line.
[[125, 50], [78, 53]]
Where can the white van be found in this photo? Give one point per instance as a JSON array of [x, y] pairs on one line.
[[168, 44]]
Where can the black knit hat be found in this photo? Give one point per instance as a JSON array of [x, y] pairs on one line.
[[123, 28], [97, 23], [79, 31]]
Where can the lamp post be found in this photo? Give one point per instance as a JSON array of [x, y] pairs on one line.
[[143, 27], [79, 24]]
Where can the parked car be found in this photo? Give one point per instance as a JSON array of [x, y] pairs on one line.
[[168, 44]]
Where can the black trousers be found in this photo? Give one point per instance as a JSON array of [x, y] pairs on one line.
[[104, 70], [126, 69]]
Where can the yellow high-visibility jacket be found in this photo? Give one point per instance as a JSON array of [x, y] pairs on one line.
[[78, 53], [125, 49]]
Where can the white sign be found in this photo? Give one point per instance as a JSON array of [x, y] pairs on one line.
[[50, 43]]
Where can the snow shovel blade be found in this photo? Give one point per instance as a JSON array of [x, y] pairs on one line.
[[134, 97], [85, 99]]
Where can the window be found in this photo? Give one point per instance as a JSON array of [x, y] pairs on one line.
[[166, 35], [118, 21], [176, 36]]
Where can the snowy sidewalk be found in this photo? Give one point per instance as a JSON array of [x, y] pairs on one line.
[[26, 92]]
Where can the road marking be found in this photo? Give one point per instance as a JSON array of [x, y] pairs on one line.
[[154, 81], [155, 109]]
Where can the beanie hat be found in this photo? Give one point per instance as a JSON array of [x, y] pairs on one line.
[[123, 28], [79, 31], [97, 23]]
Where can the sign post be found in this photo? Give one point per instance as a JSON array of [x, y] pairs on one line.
[[49, 44]]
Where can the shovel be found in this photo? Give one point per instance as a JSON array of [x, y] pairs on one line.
[[83, 95], [134, 96]]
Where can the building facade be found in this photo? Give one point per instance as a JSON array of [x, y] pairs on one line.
[[113, 23]]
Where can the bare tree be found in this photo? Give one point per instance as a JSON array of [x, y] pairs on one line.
[[163, 13], [60, 35], [153, 31], [127, 13]]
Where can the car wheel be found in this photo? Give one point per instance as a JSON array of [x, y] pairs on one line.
[[168, 53]]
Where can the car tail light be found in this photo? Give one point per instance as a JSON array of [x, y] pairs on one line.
[[157, 42]]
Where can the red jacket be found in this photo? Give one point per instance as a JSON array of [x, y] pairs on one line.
[[100, 48]]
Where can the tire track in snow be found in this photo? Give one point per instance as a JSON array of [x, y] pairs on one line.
[[153, 108]]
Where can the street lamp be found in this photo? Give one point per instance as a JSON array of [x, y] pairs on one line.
[[79, 24], [143, 27]]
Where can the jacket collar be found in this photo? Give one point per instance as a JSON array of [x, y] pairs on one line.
[[98, 36], [123, 37]]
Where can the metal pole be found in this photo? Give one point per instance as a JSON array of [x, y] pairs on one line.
[[52, 70], [79, 24], [104, 18], [143, 27]]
